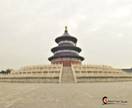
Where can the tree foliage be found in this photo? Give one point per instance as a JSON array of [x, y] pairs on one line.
[[7, 71]]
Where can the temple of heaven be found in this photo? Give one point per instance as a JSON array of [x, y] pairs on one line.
[[66, 52], [66, 67]]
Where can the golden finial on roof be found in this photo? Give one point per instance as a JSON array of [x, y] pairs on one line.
[[66, 29]]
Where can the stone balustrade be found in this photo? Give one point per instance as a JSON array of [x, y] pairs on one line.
[[97, 73], [35, 73]]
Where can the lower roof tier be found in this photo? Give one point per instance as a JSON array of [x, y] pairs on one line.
[[66, 56]]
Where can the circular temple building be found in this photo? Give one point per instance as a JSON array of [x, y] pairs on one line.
[[66, 52]]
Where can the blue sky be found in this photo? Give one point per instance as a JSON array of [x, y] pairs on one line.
[[28, 29]]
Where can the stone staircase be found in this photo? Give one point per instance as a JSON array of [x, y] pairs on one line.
[[67, 75]]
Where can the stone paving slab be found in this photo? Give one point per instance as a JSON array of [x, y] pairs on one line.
[[69, 95]]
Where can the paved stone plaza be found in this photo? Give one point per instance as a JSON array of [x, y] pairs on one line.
[[67, 95]]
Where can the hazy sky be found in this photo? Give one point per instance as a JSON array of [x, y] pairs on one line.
[[28, 29]]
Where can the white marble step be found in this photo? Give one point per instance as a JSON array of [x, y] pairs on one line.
[[67, 75]]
